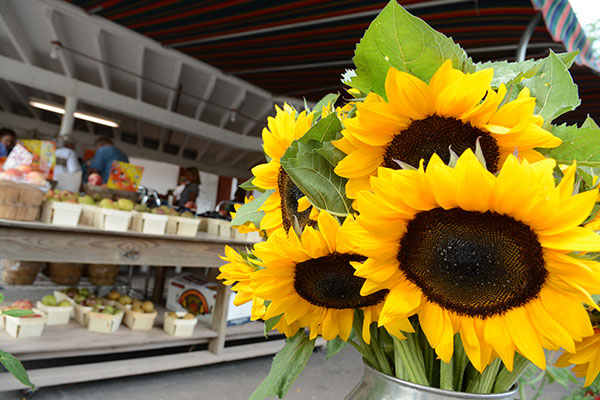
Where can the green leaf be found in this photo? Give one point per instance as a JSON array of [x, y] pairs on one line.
[[589, 123], [249, 211], [562, 376], [249, 186], [554, 89], [398, 39], [17, 313], [325, 130], [270, 324], [332, 154], [581, 144], [1, 297], [314, 176], [328, 99], [286, 367], [334, 347], [15, 367], [512, 72]]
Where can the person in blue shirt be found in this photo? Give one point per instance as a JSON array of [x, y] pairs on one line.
[[106, 154]]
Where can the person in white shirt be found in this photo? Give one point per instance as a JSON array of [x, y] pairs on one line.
[[67, 163]]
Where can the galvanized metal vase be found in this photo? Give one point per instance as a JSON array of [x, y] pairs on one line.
[[375, 385]]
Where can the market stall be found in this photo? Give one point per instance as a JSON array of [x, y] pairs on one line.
[[38, 241]]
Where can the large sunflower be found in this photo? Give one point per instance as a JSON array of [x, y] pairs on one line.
[[482, 255], [309, 280], [452, 112], [282, 206], [238, 272], [586, 358]]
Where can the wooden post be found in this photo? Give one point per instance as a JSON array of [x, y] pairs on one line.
[[159, 284], [219, 322]]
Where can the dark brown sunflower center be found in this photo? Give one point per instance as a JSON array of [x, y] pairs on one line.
[[437, 135], [329, 281], [476, 264], [290, 194]]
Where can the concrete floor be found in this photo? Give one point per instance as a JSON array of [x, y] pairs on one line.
[[321, 380]]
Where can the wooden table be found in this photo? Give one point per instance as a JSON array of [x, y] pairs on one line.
[[36, 241]]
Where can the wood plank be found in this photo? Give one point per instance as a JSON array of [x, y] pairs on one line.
[[93, 248], [219, 321], [44, 377]]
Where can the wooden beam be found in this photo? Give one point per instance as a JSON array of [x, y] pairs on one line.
[[52, 82], [210, 86], [261, 116], [58, 34], [235, 104], [23, 98], [16, 35]]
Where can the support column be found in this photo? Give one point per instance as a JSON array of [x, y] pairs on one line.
[[526, 36], [68, 119]]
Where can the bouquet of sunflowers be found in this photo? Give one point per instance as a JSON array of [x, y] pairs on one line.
[[438, 221]]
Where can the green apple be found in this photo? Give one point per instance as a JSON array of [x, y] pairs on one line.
[[125, 204], [64, 303], [87, 199], [141, 208], [187, 214], [106, 203], [49, 300]]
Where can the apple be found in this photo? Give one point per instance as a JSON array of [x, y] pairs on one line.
[[187, 214], [125, 204], [106, 203], [141, 208], [25, 168], [35, 178], [22, 305], [87, 199], [13, 173], [94, 179], [64, 303], [49, 300]]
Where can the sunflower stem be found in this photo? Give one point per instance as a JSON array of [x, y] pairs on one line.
[[484, 382], [459, 361], [382, 359], [362, 347], [400, 369], [506, 379], [414, 369], [446, 375]]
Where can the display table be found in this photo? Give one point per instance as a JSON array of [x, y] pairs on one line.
[[36, 241]]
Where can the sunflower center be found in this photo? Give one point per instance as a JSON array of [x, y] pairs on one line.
[[290, 194], [437, 135], [472, 263], [329, 281]]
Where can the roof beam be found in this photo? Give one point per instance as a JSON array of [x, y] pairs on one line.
[[21, 123], [202, 150], [100, 49], [235, 104], [58, 34], [237, 158], [210, 86], [52, 82], [17, 37], [23, 99], [262, 114], [186, 141]]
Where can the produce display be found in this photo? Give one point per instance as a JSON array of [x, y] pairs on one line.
[[24, 174], [174, 314], [81, 296]]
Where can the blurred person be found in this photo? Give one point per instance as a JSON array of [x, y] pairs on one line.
[[8, 139], [66, 159], [106, 154], [192, 187]]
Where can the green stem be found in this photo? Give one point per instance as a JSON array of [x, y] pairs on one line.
[[414, 370], [362, 347], [460, 362], [484, 383], [447, 375], [400, 370], [507, 379], [382, 359]]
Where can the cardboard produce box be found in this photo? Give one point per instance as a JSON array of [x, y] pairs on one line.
[[197, 296]]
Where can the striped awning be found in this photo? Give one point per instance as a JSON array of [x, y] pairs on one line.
[[562, 24]]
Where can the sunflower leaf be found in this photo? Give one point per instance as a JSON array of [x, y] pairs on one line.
[[249, 211], [509, 73], [314, 176], [286, 367], [334, 347], [400, 40], [331, 153], [589, 123], [580, 144], [327, 101], [326, 130], [270, 324], [14, 366], [554, 89], [249, 186]]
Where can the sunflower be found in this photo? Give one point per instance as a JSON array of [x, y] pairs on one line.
[[481, 255], [586, 358], [309, 280], [238, 272], [282, 206], [452, 112]]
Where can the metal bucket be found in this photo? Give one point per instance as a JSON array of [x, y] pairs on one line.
[[375, 385]]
